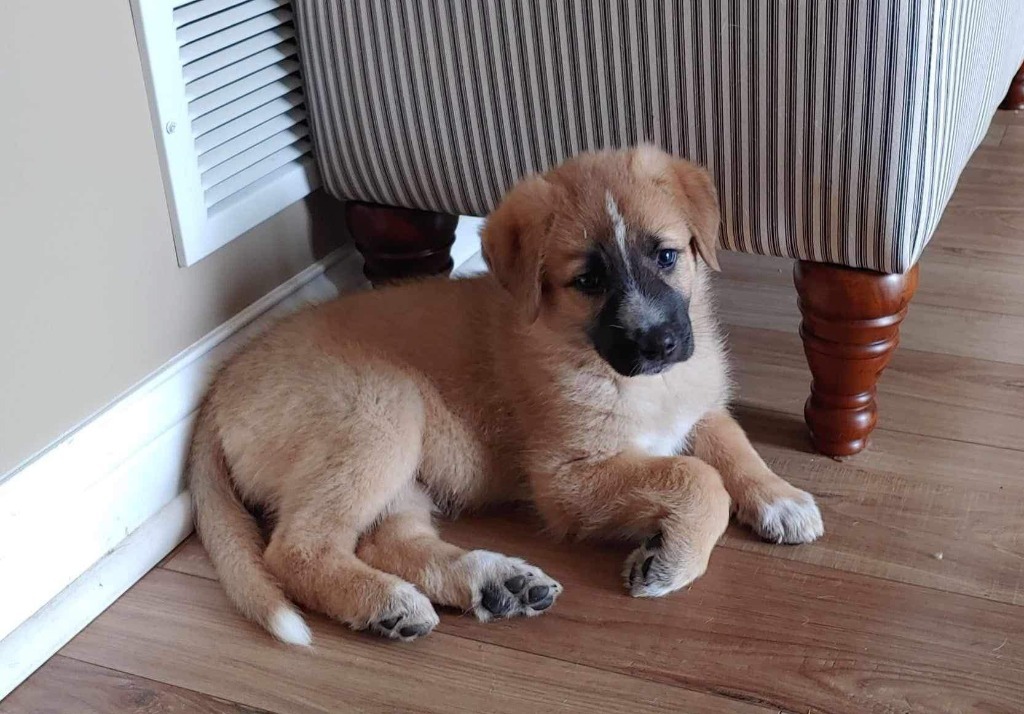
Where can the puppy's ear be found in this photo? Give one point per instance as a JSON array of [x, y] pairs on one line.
[[693, 187], [513, 240]]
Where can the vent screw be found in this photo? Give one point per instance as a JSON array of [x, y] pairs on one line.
[[170, 127]]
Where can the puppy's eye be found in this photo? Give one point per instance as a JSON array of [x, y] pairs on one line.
[[589, 282], [667, 258]]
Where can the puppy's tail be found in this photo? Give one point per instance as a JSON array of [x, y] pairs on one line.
[[232, 538]]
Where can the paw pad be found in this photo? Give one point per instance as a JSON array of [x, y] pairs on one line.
[[509, 587]]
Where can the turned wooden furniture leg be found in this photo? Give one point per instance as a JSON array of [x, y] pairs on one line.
[[1014, 98], [851, 325], [400, 243]]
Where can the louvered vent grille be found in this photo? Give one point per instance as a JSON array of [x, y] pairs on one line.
[[238, 97]]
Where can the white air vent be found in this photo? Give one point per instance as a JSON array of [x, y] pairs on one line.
[[229, 113]]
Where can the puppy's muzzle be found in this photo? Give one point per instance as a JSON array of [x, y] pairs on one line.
[[665, 343], [643, 331], [662, 345]]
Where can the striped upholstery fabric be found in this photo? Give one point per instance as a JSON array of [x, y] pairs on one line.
[[835, 130]]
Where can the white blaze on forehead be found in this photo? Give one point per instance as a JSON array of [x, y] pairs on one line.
[[636, 310], [618, 229]]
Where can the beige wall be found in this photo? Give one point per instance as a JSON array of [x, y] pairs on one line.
[[91, 296]]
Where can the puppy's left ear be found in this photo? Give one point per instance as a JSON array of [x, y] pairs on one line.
[[513, 239], [693, 187]]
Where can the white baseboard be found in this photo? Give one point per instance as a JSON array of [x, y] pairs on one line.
[[43, 634], [92, 510]]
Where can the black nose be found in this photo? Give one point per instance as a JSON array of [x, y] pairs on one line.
[[659, 343]]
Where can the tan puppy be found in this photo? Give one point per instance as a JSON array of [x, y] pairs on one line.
[[585, 373]]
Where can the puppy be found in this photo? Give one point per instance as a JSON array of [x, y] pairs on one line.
[[586, 373]]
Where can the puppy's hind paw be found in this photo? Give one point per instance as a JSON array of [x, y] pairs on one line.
[[508, 587], [407, 617]]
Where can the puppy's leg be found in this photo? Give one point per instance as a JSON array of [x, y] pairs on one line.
[[332, 499], [326, 576], [774, 509], [492, 585], [680, 500]]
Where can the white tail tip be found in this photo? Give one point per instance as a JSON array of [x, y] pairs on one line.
[[289, 627]]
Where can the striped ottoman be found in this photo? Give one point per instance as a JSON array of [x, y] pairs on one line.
[[835, 131]]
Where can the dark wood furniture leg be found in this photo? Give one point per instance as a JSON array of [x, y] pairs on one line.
[[850, 328], [401, 243], [1014, 98]]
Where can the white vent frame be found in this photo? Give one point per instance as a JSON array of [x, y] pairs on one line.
[[205, 218]]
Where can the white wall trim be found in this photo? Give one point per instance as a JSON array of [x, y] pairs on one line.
[[95, 502], [42, 635]]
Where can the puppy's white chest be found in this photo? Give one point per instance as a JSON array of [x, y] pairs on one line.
[[666, 438]]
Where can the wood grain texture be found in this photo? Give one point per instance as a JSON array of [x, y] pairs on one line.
[[955, 529], [990, 285], [994, 185], [823, 639], [190, 558], [68, 686], [820, 640], [969, 228], [1012, 139], [146, 631], [994, 135]]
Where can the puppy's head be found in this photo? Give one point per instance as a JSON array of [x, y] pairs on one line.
[[606, 250]]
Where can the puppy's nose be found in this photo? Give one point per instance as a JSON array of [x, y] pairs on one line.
[[659, 343]]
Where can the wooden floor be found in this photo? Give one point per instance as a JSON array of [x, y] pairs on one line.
[[913, 601]]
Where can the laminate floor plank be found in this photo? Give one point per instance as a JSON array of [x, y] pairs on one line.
[[796, 636], [68, 686], [181, 630], [761, 628]]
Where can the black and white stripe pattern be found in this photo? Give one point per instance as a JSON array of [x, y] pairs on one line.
[[835, 129]]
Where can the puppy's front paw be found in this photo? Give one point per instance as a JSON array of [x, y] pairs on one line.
[[650, 572], [787, 516], [507, 587]]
